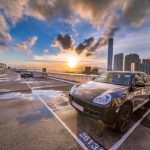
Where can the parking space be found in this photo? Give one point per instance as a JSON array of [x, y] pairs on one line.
[[40, 83], [140, 138], [40, 116]]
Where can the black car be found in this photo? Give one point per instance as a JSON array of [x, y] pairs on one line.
[[26, 74], [112, 97]]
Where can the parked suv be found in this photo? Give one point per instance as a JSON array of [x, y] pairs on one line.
[[112, 97]]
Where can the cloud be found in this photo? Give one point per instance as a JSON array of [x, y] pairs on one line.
[[25, 47], [13, 9], [85, 45], [5, 37], [3, 24], [64, 42], [102, 14], [136, 11], [47, 9], [31, 41], [95, 11], [46, 51]]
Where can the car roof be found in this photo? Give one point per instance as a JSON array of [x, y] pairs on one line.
[[130, 72]]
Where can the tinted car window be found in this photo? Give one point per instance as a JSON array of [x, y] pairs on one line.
[[115, 78], [145, 78], [137, 78]]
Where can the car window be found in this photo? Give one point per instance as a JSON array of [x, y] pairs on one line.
[[145, 78], [137, 78], [115, 78]]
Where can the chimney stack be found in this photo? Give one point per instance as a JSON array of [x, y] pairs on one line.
[[110, 55]]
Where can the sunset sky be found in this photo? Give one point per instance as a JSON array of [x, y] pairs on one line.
[[47, 33]]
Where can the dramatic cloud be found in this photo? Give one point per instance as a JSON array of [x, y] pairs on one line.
[[5, 37], [46, 9], [102, 14], [94, 11], [3, 24], [85, 46], [25, 47], [13, 9], [64, 42], [136, 11]]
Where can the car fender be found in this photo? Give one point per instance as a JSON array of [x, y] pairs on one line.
[[128, 102]]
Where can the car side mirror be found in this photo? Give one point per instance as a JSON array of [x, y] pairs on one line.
[[140, 84]]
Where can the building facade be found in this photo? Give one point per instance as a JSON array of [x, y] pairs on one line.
[[87, 70], [118, 62], [145, 66], [130, 60]]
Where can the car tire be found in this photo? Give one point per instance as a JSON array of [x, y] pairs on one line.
[[124, 119]]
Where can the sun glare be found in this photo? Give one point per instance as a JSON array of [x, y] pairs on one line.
[[72, 62]]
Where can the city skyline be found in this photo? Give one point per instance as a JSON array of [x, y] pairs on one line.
[[60, 35], [130, 62]]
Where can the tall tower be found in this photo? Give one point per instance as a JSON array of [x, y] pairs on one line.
[[110, 55]]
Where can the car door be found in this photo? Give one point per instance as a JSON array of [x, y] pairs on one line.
[[138, 95], [146, 90]]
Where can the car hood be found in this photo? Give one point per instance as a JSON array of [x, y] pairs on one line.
[[89, 90]]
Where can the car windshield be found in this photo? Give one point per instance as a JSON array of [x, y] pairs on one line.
[[115, 78], [24, 72]]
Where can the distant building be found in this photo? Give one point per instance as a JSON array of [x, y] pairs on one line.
[[110, 55], [145, 66], [132, 59], [2, 67], [94, 70], [87, 69], [118, 62], [146, 61]]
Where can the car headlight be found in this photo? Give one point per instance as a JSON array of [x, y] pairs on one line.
[[102, 99], [72, 89]]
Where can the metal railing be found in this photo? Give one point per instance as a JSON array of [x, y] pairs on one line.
[[71, 76]]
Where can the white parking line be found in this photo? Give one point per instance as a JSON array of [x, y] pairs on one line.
[[126, 135], [29, 85], [56, 116], [60, 107]]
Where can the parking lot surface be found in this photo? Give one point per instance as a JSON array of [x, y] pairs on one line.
[[35, 114]]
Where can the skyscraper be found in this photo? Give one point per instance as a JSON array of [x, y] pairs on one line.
[[110, 55], [132, 59], [145, 66], [118, 62]]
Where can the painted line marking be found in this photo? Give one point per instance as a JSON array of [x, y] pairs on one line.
[[48, 86], [56, 116], [62, 80], [126, 135], [29, 85], [57, 108]]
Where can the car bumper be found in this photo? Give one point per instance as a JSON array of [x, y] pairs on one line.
[[106, 114]]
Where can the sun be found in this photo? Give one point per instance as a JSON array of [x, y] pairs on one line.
[[72, 62]]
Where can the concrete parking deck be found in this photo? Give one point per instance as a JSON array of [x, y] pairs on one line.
[[35, 114]]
